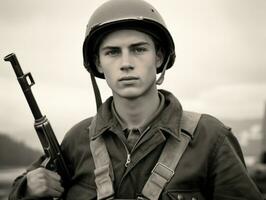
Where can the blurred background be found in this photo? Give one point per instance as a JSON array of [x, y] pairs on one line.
[[220, 69]]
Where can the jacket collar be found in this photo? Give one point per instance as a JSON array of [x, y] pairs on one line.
[[168, 120]]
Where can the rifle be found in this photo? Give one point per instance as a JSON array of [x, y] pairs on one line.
[[54, 158]]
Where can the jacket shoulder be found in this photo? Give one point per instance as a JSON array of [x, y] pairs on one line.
[[216, 133], [211, 132], [213, 125], [211, 119], [78, 132]]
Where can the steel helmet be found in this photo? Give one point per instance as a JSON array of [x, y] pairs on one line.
[[126, 14]]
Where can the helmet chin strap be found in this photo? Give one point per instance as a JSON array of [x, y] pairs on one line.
[[160, 80], [96, 91]]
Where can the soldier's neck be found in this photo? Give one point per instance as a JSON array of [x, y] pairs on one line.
[[135, 112]]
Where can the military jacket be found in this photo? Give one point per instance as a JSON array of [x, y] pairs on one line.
[[211, 168]]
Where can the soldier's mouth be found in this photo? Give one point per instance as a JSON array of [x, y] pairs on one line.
[[128, 78]]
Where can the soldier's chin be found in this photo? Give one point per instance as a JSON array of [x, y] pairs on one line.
[[130, 93]]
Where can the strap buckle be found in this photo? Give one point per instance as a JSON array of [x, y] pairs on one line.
[[163, 171]]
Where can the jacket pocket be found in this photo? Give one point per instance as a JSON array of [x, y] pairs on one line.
[[185, 195]]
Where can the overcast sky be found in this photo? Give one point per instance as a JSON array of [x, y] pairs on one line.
[[220, 66]]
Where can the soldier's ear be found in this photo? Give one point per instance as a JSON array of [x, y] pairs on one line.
[[159, 58], [98, 64]]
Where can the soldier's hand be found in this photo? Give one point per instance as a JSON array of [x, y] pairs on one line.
[[43, 183]]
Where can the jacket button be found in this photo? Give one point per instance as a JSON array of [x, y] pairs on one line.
[[180, 197], [194, 198]]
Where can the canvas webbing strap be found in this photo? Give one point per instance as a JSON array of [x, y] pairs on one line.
[[170, 156], [163, 170], [103, 170]]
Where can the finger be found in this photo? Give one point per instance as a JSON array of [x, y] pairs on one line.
[[56, 185], [45, 173], [54, 175], [38, 175], [46, 191], [53, 181], [42, 182], [43, 177], [54, 192], [47, 188]]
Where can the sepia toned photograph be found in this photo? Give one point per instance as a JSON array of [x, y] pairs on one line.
[[133, 99]]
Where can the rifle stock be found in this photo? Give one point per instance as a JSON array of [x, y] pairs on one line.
[[54, 157]]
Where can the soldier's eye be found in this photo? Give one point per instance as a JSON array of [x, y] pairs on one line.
[[139, 50], [112, 52]]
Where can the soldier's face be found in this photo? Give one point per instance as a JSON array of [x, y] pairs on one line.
[[128, 59]]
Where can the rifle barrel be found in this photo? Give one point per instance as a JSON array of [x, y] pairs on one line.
[[25, 85]]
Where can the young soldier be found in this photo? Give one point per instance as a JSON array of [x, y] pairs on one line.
[[141, 144]]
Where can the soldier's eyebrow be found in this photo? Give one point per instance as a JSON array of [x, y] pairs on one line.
[[140, 44], [107, 47]]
